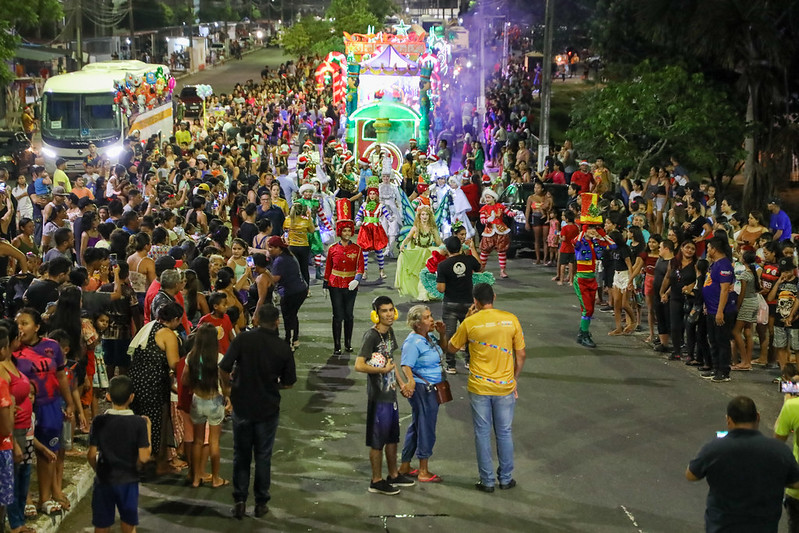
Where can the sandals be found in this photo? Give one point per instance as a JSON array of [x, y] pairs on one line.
[[224, 483], [30, 511], [50, 507], [434, 479], [63, 501]]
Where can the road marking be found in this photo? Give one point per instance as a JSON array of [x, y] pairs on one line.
[[632, 518], [384, 517]]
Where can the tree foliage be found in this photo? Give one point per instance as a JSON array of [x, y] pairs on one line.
[[307, 34], [352, 16], [17, 15], [639, 122], [312, 35]]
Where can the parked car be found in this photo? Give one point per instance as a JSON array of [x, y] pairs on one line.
[[15, 153], [515, 198], [192, 102]]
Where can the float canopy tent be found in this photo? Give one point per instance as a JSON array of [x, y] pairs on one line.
[[390, 72]]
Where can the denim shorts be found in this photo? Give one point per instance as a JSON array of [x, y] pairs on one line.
[[106, 499], [211, 410]]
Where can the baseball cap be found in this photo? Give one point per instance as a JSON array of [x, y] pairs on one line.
[[775, 200], [785, 264], [60, 191]]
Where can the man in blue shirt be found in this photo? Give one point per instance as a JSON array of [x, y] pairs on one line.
[[720, 303], [780, 222]]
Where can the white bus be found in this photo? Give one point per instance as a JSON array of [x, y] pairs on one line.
[[78, 108]]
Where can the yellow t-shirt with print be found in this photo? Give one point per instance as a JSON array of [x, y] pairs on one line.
[[299, 228], [493, 336]]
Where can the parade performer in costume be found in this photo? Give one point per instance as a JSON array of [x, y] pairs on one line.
[[390, 197], [337, 161], [343, 273], [347, 182], [365, 174], [371, 235], [317, 214], [460, 208], [328, 203], [589, 246], [496, 235], [415, 250], [422, 198]]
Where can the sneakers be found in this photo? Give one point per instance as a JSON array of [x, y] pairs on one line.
[[720, 378], [507, 486], [260, 510], [585, 340], [606, 308], [708, 375], [451, 369], [466, 364], [483, 488], [383, 487], [401, 481]]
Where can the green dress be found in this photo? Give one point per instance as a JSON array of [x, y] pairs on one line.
[[430, 284], [410, 263], [314, 238]]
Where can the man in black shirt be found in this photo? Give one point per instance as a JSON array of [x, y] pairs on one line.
[[264, 364], [45, 290], [747, 473], [272, 212], [454, 280], [248, 230]]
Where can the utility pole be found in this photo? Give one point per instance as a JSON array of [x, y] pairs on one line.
[[191, 34], [481, 101], [79, 32], [546, 85], [132, 35]]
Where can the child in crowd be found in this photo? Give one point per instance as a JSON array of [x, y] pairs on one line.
[[118, 442], [219, 318], [566, 257], [553, 238]]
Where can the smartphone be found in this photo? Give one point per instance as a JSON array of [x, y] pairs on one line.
[[216, 204], [789, 387], [113, 258], [250, 262]]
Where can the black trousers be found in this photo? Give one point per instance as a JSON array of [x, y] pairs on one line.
[[662, 316], [719, 338], [677, 323], [343, 301], [696, 341], [303, 255], [290, 307]]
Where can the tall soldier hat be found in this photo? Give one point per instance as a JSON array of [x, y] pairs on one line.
[[343, 215]]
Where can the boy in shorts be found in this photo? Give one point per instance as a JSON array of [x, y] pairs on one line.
[[382, 414], [785, 291], [566, 257], [117, 442]]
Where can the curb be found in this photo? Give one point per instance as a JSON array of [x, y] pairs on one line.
[[80, 485]]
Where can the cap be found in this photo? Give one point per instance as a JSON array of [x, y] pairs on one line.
[[202, 157], [60, 161], [203, 187], [785, 264], [412, 141], [584, 162], [343, 215], [276, 241], [775, 200], [177, 253], [60, 191], [363, 161]]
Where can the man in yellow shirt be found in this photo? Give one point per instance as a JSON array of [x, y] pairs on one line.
[[183, 135], [60, 178], [496, 347]]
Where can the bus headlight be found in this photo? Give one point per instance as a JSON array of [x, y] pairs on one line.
[[48, 153], [114, 152]]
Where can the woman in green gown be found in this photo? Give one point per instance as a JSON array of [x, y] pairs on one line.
[[415, 250]]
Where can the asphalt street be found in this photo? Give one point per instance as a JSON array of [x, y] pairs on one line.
[[602, 436]]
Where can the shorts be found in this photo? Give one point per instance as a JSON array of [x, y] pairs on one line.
[[621, 280], [748, 311], [536, 220], [6, 477], [566, 258], [382, 424], [607, 275], [210, 410], [115, 352], [660, 203], [49, 424], [106, 499], [86, 398], [782, 335], [497, 242], [188, 428]]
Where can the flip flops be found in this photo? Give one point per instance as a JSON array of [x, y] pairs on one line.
[[224, 483], [434, 479]]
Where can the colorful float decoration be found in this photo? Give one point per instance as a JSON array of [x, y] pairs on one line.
[[137, 94], [409, 44], [333, 71]]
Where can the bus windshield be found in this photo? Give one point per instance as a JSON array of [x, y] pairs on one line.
[[68, 116]]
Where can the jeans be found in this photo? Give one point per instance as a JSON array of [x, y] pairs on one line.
[[421, 435], [719, 338], [290, 307], [454, 313], [343, 301], [252, 436], [493, 412], [22, 481]]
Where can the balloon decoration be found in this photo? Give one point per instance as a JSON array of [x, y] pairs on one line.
[[138, 94], [204, 92]]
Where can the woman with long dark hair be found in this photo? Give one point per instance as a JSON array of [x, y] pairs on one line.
[[207, 404], [680, 283], [747, 311]]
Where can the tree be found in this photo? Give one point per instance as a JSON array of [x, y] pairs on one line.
[[352, 16], [313, 35], [641, 121], [382, 9], [306, 35], [15, 15]]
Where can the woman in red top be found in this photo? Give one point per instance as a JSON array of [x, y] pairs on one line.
[[769, 275], [650, 257]]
